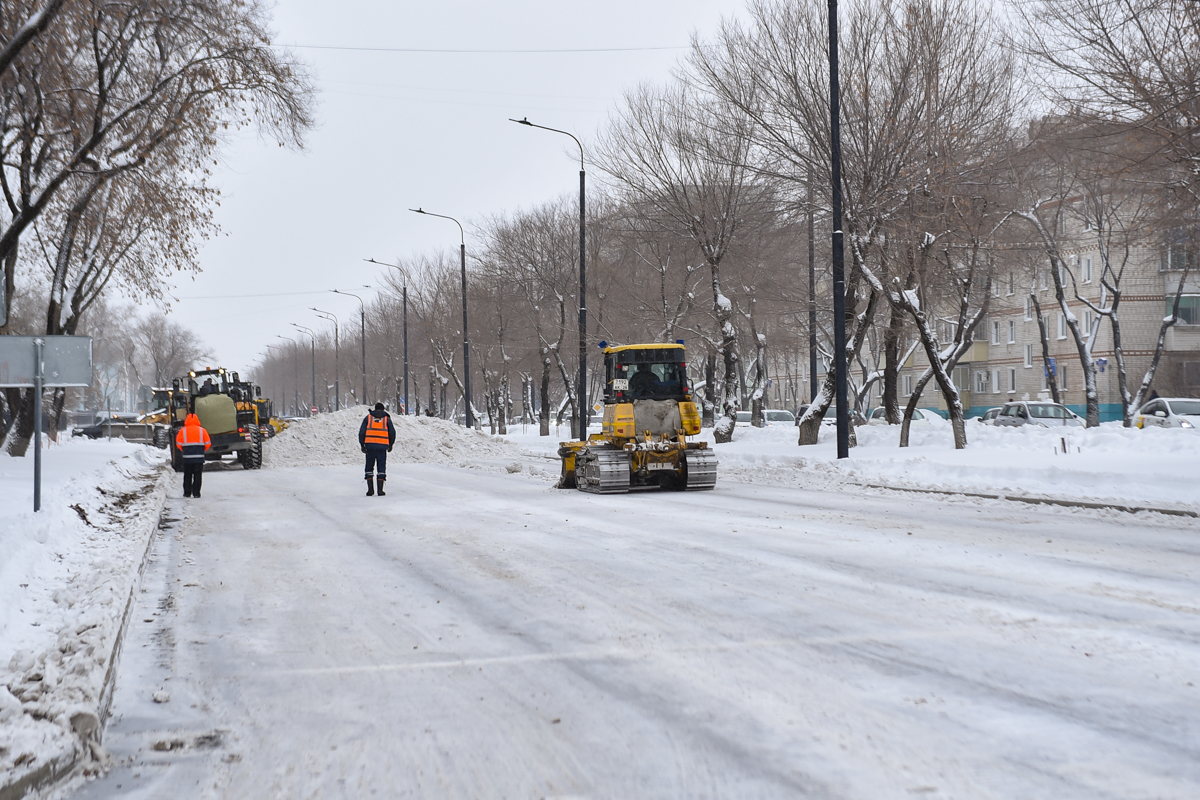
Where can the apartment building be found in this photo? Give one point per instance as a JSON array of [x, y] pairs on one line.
[[1005, 361]]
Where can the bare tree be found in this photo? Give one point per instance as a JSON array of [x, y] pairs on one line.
[[665, 157]]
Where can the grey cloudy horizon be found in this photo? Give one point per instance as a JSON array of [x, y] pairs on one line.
[[403, 122]]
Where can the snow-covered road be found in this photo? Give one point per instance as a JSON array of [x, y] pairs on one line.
[[479, 634]]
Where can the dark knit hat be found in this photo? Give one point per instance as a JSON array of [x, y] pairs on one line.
[[379, 406]]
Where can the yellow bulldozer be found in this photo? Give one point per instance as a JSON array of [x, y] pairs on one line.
[[648, 415]]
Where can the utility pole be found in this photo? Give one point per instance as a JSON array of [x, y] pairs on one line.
[[583, 411], [313, 337], [839, 266], [470, 418]]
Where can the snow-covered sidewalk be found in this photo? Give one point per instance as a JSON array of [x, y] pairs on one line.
[[66, 574], [1112, 464]]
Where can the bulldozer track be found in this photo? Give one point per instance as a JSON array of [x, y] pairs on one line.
[[700, 467], [602, 471]]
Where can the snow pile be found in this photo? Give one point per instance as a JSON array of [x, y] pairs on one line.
[[1110, 463], [1153, 467], [65, 581], [332, 440]]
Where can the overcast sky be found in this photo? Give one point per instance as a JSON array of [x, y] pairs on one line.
[[402, 130]]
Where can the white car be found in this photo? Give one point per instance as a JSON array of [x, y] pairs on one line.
[[771, 416], [989, 417], [1169, 412], [878, 416]]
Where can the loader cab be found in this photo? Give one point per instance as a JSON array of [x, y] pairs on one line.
[[645, 372]]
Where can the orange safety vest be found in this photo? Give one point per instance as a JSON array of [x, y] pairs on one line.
[[192, 440], [377, 431]]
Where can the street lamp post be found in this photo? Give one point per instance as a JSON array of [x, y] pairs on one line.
[[312, 336], [283, 375], [466, 339], [295, 376], [839, 272], [583, 409], [404, 295], [363, 312], [337, 384]]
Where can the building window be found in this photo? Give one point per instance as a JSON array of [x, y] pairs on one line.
[[1012, 331], [908, 385], [1174, 257], [1088, 320], [1189, 309], [996, 381], [1062, 377], [996, 332], [1087, 270], [1028, 355], [1012, 283], [981, 381], [1012, 380], [1062, 326], [1028, 308]]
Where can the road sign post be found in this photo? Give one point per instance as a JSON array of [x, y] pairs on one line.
[[40, 363]]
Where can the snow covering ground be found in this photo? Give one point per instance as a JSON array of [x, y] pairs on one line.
[[1153, 467], [65, 580], [479, 633]]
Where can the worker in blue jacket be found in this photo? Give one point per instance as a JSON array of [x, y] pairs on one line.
[[376, 437]]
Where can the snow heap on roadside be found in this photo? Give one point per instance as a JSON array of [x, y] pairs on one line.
[[66, 575], [332, 440]]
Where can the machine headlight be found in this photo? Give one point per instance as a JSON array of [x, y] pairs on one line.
[[1183, 423]]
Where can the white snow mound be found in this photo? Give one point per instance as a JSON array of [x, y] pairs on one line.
[[332, 440]]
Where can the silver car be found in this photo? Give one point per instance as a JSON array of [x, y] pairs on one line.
[[1039, 414], [1169, 412]]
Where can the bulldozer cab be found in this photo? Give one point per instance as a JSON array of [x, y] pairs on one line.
[[645, 372]]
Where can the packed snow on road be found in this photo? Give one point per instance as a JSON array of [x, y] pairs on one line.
[[792, 633]]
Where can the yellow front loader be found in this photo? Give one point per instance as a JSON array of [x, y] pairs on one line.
[[648, 415]]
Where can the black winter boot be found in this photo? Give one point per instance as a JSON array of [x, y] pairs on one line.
[[370, 488], [379, 483]]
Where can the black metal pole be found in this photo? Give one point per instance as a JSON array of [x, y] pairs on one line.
[[337, 385], [584, 410], [839, 275], [38, 344], [364, 351], [812, 296], [313, 342], [466, 341], [407, 399]]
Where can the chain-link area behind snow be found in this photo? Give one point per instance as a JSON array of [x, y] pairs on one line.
[[332, 440]]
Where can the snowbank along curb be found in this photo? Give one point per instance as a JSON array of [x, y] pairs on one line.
[[54, 702]]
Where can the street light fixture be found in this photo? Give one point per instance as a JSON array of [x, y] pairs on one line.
[[312, 336], [583, 410], [363, 311], [404, 293], [337, 390], [466, 339]]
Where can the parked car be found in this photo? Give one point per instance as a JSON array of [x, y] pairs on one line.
[[989, 417], [1169, 412], [779, 416], [878, 416], [830, 417], [1046, 415]]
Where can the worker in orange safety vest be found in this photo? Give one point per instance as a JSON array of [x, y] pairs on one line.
[[376, 436], [193, 442]]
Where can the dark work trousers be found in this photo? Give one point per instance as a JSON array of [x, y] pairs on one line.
[[193, 473], [377, 455]]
